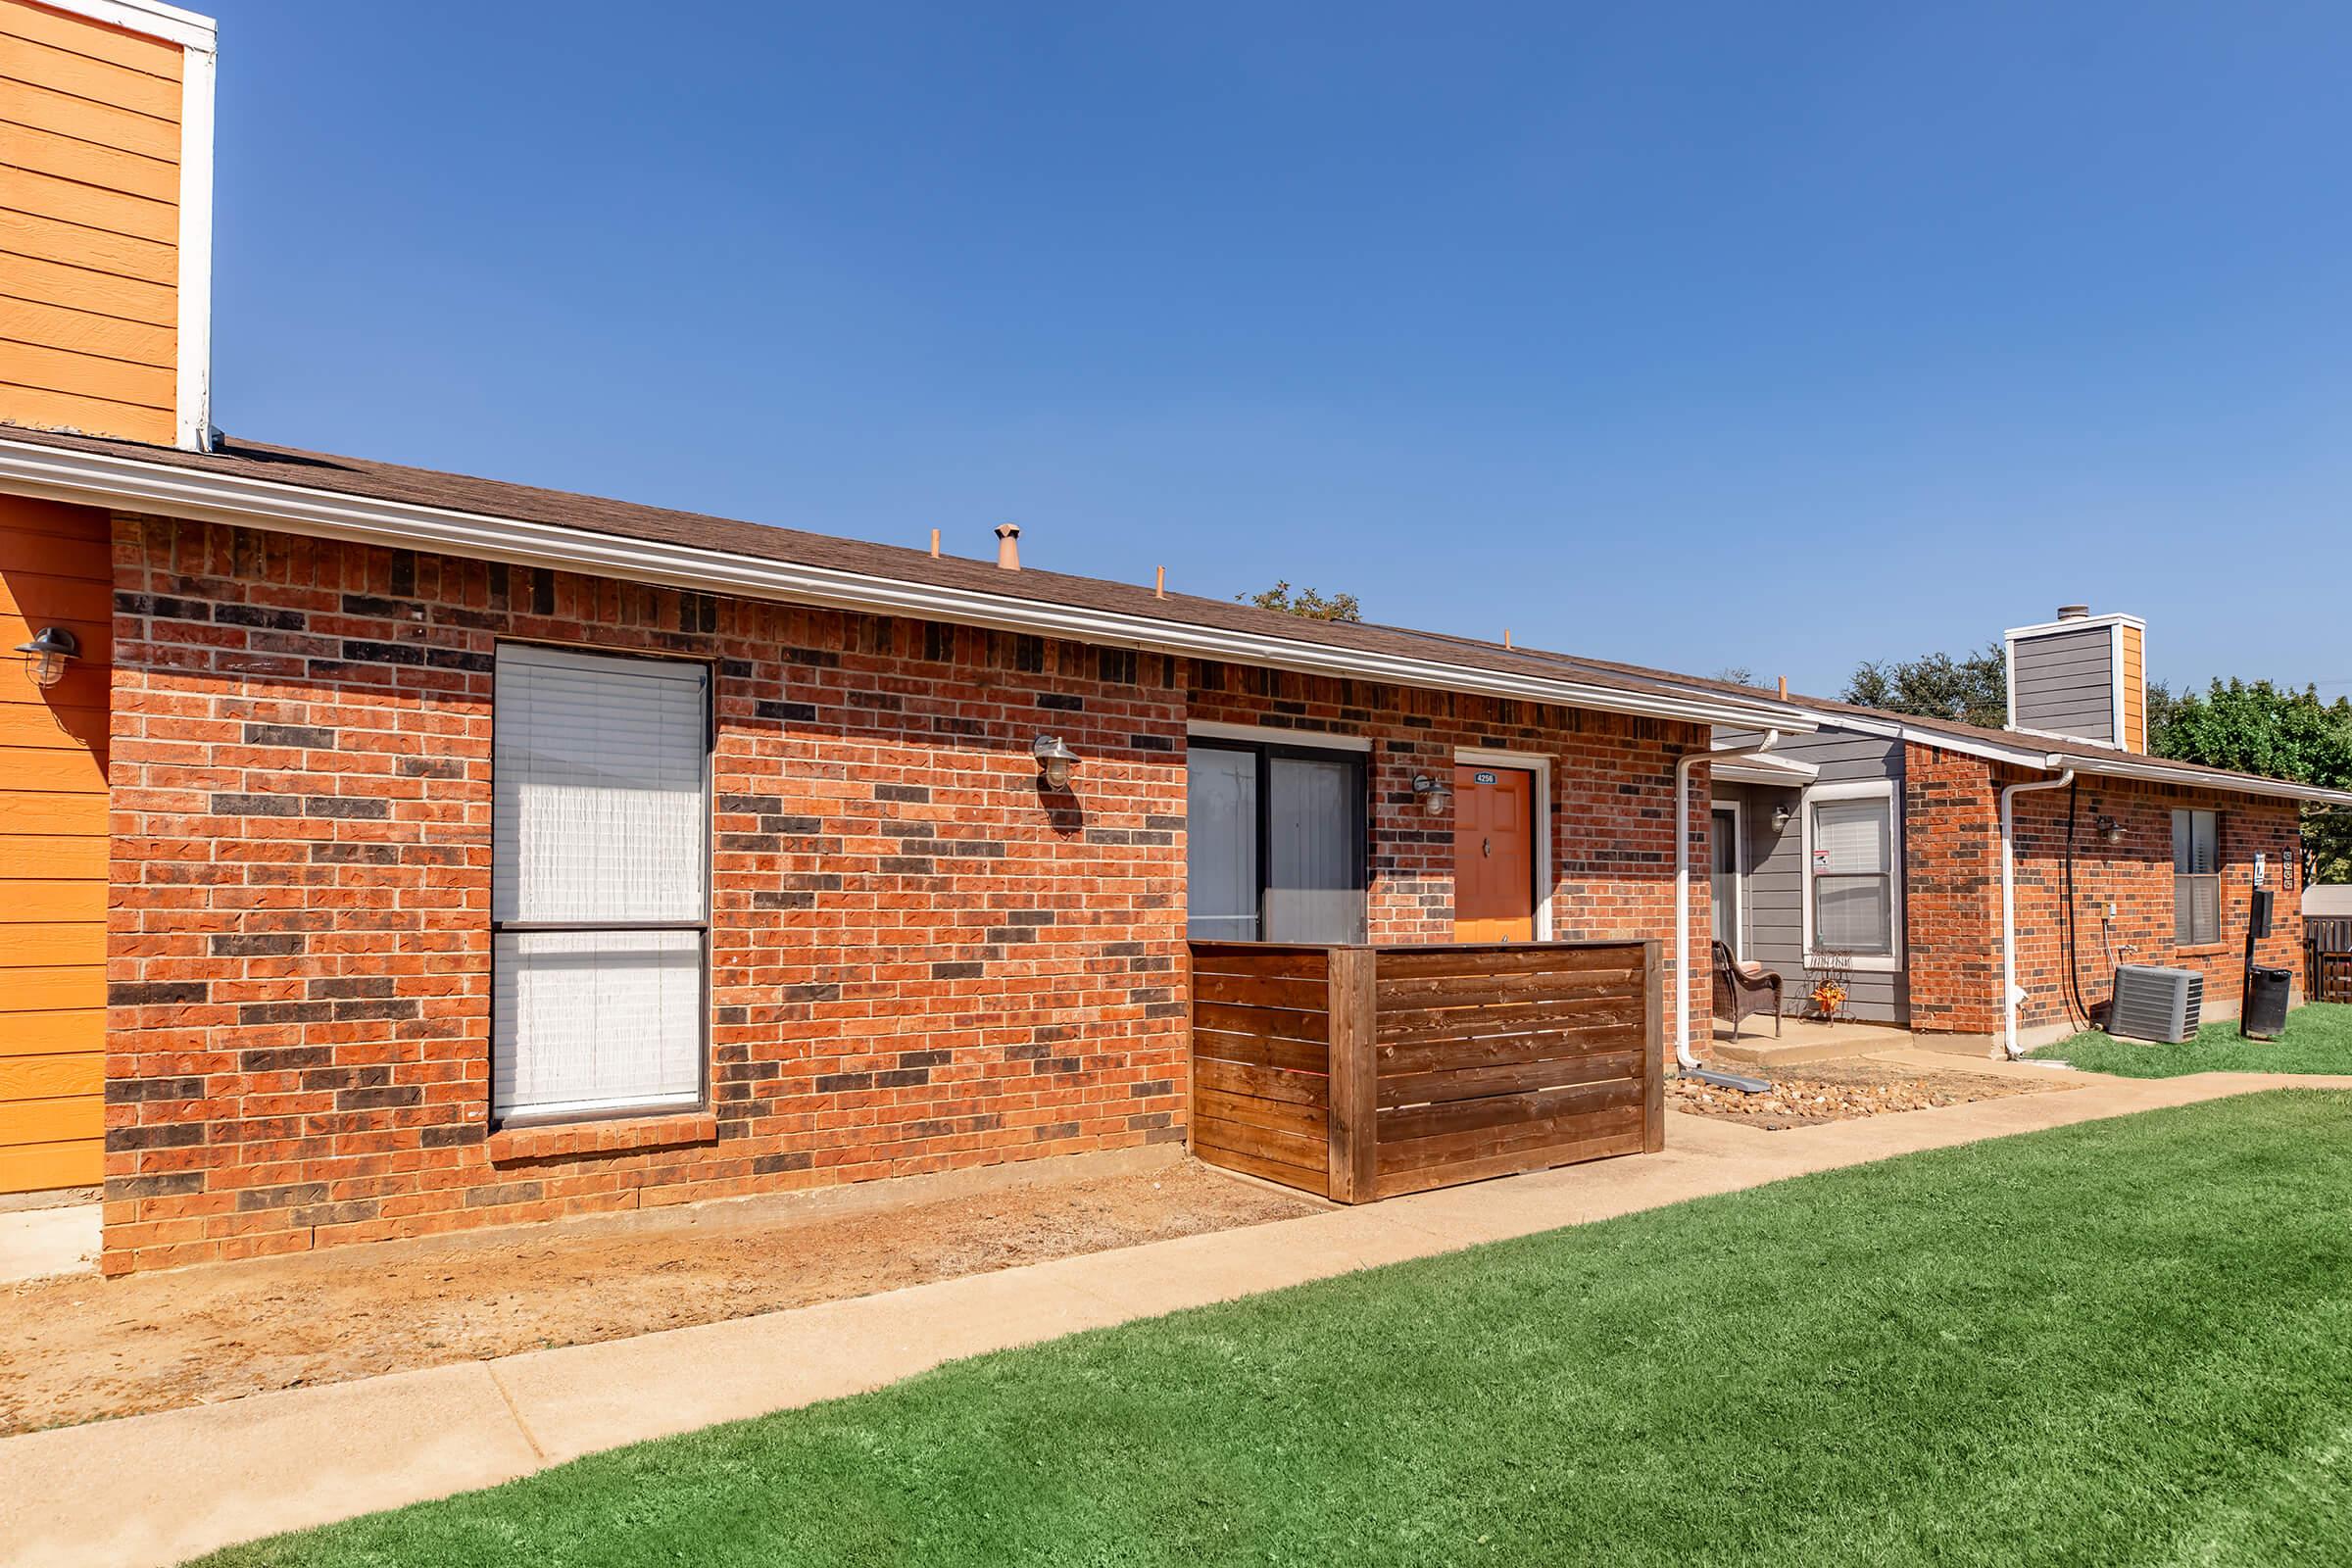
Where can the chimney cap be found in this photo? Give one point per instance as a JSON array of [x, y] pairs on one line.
[[1012, 530], [2073, 611]]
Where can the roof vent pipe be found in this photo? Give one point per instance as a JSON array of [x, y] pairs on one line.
[[2073, 611], [1009, 545]]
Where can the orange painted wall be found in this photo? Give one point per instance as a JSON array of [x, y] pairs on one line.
[[2136, 690], [55, 570], [89, 225]]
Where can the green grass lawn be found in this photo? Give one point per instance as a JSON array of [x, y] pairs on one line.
[[2317, 1039], [2121, 1342]]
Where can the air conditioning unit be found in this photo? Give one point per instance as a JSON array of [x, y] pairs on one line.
[[2156, 1004]]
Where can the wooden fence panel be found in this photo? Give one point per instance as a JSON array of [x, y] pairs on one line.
[[1493, 1060], [2326, 938], [1262, 1060], [1358, 1073]]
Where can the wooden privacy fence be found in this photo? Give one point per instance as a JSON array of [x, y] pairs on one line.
[[1363, 1072], [2327, 958]]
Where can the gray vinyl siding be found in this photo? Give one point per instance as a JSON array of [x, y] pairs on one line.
[[2066, 683], [1775, 871]]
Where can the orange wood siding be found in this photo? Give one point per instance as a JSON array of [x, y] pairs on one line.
[[56, 566], [2135, 691], [89, 225]]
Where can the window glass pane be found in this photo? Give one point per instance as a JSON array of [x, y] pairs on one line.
[[2197, 846], [2196, 909], [1316, 838], [1849, 836], [1854, 915], [1221, 845], [601, 808], [597, 1019]]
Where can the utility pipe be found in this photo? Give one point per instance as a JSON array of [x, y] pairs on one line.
[[1682, 884], [2011, 996]]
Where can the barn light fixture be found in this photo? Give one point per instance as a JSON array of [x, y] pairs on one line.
[[1779, 819], [2111, 831], [46, 656], [1054, 759], [1435, 794]]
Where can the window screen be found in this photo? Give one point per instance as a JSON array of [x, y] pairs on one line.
[[600, 894], [1274, 844], [1221, 845], [2197, 878], [1315, 844], [1852, 877]]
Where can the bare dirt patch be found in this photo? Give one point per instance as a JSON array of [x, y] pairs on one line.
[[1839, 1090], [81, 1348]]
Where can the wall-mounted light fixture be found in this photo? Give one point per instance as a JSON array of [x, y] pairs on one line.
[[1055, 761], [1435, 794], [1780, 818], [2111, 831], [46, 656]]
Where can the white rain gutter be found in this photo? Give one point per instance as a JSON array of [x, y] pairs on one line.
[[2011, 995], [1682, 884], [174, 490]]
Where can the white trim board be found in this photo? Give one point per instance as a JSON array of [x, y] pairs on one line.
[[150, 16], [1548, 882], [1739, 814], [1885, 788], [194, 400], [92, 478]]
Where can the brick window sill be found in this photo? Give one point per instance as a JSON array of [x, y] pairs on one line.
[[602, 1137]]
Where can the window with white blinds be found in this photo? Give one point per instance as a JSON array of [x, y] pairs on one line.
[[2197, 878], [600, 881], [1850, 851]]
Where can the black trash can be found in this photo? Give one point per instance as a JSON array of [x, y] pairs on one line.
[[2264, 1014]]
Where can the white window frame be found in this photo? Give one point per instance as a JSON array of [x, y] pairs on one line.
[[1739, 870], [1874, 789], [1547, 875], [565, 1112]]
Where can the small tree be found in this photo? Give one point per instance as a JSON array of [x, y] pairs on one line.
[[1307, 601], [1736, 675], [2260, 728], [1974, 690]]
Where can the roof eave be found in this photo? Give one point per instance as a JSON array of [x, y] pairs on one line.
[[174, 490]]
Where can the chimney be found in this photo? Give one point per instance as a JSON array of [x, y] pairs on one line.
[[108, 214], [1008, 547], [2080, 678]]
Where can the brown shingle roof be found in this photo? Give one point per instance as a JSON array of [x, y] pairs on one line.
[[252, 460]]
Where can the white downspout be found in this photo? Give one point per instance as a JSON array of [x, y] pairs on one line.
[[1682, 884], [2011, 996]]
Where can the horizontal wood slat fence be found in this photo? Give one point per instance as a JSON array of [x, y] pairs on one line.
[[2327, 958], [1363, 1072]]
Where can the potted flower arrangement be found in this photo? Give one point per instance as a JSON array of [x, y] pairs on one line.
[[1827, 975]]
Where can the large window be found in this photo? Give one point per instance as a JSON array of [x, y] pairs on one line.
[[1851, 895], [2197, 878], [600, 882], [1275, 843]]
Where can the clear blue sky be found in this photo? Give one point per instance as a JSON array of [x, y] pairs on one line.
[[1696, 335]]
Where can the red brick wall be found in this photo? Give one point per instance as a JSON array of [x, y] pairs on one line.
[[1952, 892], [2137, 876], [1612, 795], [919, 961], [1952, 835]]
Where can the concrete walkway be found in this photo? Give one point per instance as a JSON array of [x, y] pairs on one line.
[[156, 1489]]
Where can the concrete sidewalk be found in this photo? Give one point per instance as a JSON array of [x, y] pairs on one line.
[[156, 1489]]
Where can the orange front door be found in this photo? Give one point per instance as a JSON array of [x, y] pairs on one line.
[[1493, 854]]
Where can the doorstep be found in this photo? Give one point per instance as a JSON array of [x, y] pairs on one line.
[[1801, 1041]]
